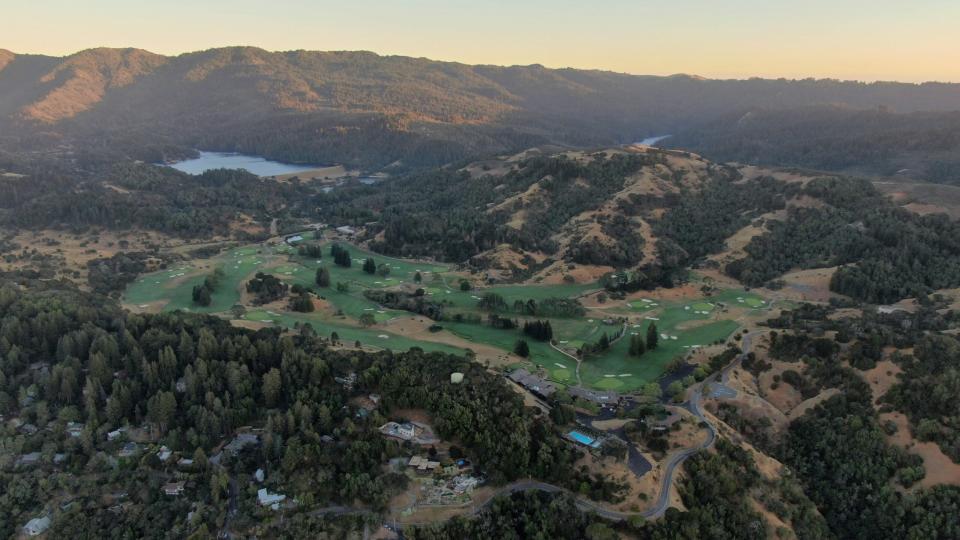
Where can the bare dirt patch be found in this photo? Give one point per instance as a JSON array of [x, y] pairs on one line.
[[781, 395], [417, 328], [923, 197], [882, 377], [811, 285], [68, 253], [321, 173], [940, 469], [808, 404]]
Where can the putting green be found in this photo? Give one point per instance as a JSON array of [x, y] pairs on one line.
[[609, 383]]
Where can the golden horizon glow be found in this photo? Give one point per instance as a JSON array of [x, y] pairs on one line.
[[840, 39]]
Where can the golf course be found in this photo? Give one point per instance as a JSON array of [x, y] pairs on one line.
[[342, 309]]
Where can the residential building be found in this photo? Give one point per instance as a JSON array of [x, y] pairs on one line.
[[273, 500], [37, 526], [174, 489]]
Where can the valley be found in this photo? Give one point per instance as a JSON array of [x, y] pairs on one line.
[[406, 298]]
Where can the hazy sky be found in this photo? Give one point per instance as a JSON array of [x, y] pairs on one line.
[[850, 39]]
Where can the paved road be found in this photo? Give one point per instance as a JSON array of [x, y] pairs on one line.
[[675, 460]]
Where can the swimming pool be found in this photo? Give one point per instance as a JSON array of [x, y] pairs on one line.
[[585, 440]]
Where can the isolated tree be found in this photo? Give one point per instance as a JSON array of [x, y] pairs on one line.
[[417, 278], [465, 285], [323, 277], [652, 336], [521, 348], [675, 389], [383, 270], [302, 303], [367, 320], [201, 295], [637, 347], [370, 266]]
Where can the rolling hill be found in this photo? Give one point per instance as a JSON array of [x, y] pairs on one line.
[[369, 111]]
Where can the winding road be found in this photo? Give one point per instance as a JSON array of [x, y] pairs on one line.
[[694, 405]]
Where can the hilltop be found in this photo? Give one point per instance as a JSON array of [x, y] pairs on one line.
[[367, 110]]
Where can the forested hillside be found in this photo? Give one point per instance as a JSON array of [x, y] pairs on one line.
[[879, 141], [367, 110]]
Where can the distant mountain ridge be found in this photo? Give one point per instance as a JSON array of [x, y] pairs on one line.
[[414, 110]]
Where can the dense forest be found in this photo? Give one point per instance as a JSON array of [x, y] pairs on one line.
[[877, 141], [189, 382], [838, 450], [884, 253], [143, 196]]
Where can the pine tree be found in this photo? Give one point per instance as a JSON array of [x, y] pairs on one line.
[[370, 266], [652, 336], [521, 348], [323, 277]]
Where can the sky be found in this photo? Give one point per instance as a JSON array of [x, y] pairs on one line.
[[845, 39]]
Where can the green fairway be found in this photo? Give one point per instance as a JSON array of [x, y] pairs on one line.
[[682, 325], [617, 370], [349, 334], [176, 286]]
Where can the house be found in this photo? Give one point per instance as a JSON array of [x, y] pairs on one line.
[[375, 398], [28, 460], [607, 398], [293, 239], [174, 489], [184, 462], [405, 431], [347, 381], [129, 449], [74, 429], [427, 467], [531, 382], [37, 526], [273, 500], [346, 230], [164, 453], [241, 441], [465, 483], [116, 434]]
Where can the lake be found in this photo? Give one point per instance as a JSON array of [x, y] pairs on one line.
[[254, 164]]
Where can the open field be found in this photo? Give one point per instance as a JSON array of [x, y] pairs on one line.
[[685, 319]]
